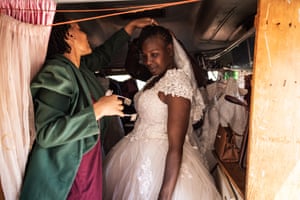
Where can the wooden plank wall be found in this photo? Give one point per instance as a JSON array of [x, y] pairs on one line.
[[274, 142]]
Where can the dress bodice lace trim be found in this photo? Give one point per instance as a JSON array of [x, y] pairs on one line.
[[153, 113], [175, 83]]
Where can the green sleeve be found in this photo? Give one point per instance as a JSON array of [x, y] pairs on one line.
[[57, 119], [101, 55]]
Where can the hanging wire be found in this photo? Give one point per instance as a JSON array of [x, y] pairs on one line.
[[131, 7], [105, 9], [126, 10]]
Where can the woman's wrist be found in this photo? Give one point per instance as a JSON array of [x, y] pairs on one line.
[[129, 28]]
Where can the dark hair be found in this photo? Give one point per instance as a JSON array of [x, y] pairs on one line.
[[133, 64], [155, 31], [57, 43]]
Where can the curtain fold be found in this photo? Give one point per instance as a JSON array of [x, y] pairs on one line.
[[29, 11], [23, 38]]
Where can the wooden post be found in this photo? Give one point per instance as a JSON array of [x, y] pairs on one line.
[[274, 142]]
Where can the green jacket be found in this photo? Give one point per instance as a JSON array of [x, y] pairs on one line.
[[65, 122]]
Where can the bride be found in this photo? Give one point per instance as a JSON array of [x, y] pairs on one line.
[[157, 159]]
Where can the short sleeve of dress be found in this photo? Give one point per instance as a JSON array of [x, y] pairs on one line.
[[176, 83]]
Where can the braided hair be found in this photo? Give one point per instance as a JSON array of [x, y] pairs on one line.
[[154, 31], [57, 43]]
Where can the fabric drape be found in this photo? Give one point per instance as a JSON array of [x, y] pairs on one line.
[[24, 47], [29, 11]]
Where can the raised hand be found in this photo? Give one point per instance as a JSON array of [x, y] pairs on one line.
[[139, 23]]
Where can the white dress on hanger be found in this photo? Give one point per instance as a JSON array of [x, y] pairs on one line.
[[134, 168]]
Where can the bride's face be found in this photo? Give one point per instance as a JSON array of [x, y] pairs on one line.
[[157, 56]]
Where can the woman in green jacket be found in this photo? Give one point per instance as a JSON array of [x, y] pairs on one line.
[[65, 161]]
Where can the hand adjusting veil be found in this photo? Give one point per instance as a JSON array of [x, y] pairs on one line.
[[183, 62]]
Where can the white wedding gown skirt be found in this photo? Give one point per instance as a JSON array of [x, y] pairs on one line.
[[135, 167]]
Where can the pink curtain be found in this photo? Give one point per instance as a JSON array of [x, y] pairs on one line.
[[29, 11], [23, 37]]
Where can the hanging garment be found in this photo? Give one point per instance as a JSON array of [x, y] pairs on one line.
[[221, 111], [23, 51]]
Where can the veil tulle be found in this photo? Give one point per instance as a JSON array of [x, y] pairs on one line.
[[183, 62]]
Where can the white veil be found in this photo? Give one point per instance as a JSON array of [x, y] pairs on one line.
[[183, 62], [197, 105]]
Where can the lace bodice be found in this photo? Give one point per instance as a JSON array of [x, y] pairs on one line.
[[152, 111]]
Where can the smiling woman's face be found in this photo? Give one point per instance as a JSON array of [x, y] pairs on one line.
[[157, 56]]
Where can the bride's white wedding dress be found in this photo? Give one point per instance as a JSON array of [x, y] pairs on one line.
[[134, 168]]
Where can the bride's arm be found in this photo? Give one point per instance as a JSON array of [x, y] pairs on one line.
[[178, 118]]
